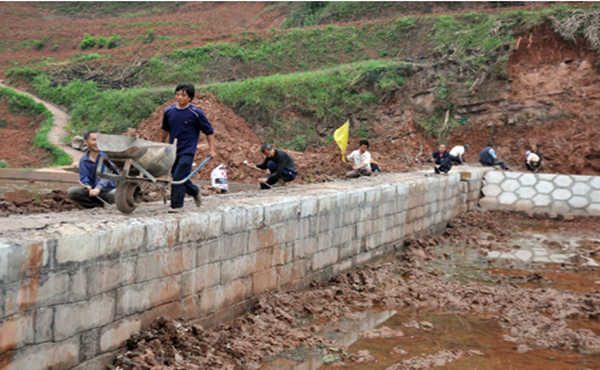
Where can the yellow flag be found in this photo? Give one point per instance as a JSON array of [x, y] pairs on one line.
[[341, 137]]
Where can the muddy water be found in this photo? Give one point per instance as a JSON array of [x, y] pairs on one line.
[[481, 339]]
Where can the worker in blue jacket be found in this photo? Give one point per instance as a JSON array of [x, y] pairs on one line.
[[441, 160], [489, 158]]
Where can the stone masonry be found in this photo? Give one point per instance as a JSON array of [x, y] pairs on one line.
[[529, 192], [74, 291]]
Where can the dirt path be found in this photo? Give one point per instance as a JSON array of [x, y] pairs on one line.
[[61, 119]]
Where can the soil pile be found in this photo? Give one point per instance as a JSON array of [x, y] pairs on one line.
[[56, 201], [532, 318], [16, 140]]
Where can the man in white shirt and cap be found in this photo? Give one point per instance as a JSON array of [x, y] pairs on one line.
[[361, 159], [532, 161], [457, 154]]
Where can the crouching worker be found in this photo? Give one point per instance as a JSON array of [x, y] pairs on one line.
[[489, 158], [532, 161], [95, 192], [361, 159], [280, 165], [441, 159]]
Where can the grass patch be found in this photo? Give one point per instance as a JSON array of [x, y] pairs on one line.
[[25, 105]]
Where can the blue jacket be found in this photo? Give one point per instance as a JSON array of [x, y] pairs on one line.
[[87, 173], [185, 126], [487, 156], [442, 159]]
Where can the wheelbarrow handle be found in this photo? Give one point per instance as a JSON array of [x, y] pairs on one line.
[[191, 174]]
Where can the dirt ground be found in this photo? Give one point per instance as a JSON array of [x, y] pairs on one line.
[[532, 317]]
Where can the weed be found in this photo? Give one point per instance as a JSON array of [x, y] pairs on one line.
[[38, 44], [4, 163], [88, 42]]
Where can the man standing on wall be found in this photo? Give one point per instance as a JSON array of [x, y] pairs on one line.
[[95, 192], [183, 121]]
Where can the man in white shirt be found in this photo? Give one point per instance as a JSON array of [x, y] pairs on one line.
[[532, 161], [361, 159], [457, 154]]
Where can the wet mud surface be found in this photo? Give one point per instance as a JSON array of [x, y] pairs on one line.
[[444, 302]]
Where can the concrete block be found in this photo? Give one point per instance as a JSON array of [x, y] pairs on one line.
[[74, 318], [561, 194], [36, 292], [372, 195], [507, 198], [488, 203], [43, 324], [276, 213], [305, 248], [63, 355], [308, 207], [16, 331], [300, 229], [595, 182], [545, 176], [494, 177], [343, 266], [77, 248], [349, 217], [161, 233], [593, 209], [89, 344], [255, 216], [528, 179], [262, 238], [193, 228], [22, 260], [560, 207], [342, 236], [324, 240], [563, 181], [122, 239], [141, 297], [578, 202], [595, 196], [201, 278], [264, 280], [108, 275], [524, 205], [542, 200], [214, 227], [324, 258], [388, 193], [463, 187], [373, 241], [580, 188], [235, 220], [510, 185], [326, 203], [544, 187], [357, 198], [165, 262], [342, 201], [116, 334], [293, 272], [236, 291], [209, 251], [235, 245], [526, 192], [239, 267], [350, 250], [102, 361], [78, 285], [211, 299]]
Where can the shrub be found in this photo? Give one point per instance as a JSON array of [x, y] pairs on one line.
[[38, 44], [100, 41], [88, 42]]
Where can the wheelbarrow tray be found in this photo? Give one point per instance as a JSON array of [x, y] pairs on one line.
[[156, 158]]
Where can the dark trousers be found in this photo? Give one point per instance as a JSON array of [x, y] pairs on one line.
[[286, 175], [445, 165], [80, 196], [533, 165], [455, 160], [496, 163], [181, 169]]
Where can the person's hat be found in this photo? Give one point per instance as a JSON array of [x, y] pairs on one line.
[[467, 146], [490, 144], [528, 152]]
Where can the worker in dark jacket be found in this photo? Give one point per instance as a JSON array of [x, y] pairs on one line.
[[280, 165], [441, 159], [489, 158]]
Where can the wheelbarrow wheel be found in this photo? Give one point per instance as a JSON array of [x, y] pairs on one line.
[[128, 196]]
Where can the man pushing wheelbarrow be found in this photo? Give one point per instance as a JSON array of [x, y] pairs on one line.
[[134, 161], [183, 121]]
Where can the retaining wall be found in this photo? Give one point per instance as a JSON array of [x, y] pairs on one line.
[[75, 290], [543, 193]]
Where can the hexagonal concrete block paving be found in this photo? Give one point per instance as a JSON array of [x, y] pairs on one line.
[[593, 209], [561, 194], [526, 192], [527, 179], [507, 198], [510, 185], [563, 181], [578, 202], [541, 200], [524, 205], [494, 177], [560, 206], [595, 182], [491, 190], [580, 188], [544, 187], [595, 196]]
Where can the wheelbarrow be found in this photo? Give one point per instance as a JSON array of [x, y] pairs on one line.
[[132, 162]]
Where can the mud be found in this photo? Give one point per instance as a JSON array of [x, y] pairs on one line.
[[55, 201], [529, 320]]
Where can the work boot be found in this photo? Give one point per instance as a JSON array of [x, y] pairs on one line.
[[198, 199]]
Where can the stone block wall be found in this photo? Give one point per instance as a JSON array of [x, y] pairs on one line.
[[73, 293], [529, 192]]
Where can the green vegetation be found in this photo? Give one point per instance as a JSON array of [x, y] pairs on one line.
[[4, 164], [88, 42], [25, 105], [328, 96], [109, 9], [111, 42], [87, 57]]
